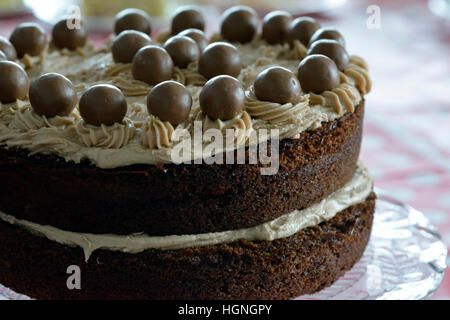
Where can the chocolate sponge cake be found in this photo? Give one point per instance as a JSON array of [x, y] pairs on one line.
[[185, 168]]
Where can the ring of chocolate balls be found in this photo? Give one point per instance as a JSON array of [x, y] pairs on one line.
[[127, 43], [277, 84], [152, 64], [28, 38], [169, 101], [133, 19], [71, 38], [103, 104], [53, 95], [220, 58], [14, 82], [318, 73], [222, 98]]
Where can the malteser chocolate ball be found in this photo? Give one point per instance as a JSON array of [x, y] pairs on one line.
[[103, 104], [318, 73], [187, 17], [198, 36], [183, 50], [132, 19], [152, 64], [127, 43], [69, 33], [222, 98], [302, 29], [333, 50], [239, 24], [276, 27], [52, 95], [169, 101], [220, 58], [28, 38], [8, 49], [14, 82], [327, 33], [277, 84], [2, 56]]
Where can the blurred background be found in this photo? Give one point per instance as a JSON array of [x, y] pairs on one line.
[[406, 140]]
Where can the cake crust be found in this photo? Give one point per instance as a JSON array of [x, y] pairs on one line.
[[179, 199], [281, 269]]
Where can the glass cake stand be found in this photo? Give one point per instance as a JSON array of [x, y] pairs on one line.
[[405, 259]]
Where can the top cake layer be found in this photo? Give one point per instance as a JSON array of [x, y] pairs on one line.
[[142, 137]]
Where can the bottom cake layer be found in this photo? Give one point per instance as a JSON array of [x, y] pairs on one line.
[[281, 269]]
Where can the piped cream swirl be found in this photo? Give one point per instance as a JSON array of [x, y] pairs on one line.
[[111, 137], [240, 126], [26, 119], [156, 134], [274, 112]]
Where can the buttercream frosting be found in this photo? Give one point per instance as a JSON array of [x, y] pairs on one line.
[[141, 139]]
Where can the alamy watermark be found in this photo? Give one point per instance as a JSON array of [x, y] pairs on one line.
[[374, 19], [214, 146], [73, 17], [74, 280]]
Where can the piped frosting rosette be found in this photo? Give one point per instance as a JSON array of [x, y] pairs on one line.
[[110, 137], [25, 118]]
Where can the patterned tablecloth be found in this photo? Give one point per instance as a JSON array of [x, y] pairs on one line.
[[406, 141]]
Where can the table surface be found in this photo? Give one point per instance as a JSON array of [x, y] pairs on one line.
[[406, 140]]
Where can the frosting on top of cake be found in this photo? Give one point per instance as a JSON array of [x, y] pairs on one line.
[[142, 138]]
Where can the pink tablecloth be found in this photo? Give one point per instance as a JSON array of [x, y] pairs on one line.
[[407, 130]]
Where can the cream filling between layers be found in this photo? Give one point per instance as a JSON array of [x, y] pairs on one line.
[[354, 191]]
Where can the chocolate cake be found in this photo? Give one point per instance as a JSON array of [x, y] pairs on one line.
[[181, 166]]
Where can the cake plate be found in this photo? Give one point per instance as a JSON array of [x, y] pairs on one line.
[[405, 259]]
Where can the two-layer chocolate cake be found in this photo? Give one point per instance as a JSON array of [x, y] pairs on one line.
[[182, 167]]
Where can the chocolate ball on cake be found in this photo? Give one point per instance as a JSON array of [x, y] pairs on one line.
[[187, 17], [239, 24], [302, 29], [333, 50], [169, 101], [152, 64], [2, 56], [276, 27], [28, 38], [183, 50], [132, 19], [198, 36], [220, 58], [103, 104], [52, 95], [69, 33], [327, 33], [318, 73], [127, 43], [8, 49], [222, 98], [277, 84], [14, 82]]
